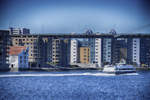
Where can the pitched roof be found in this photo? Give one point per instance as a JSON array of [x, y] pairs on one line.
[[15, 50]]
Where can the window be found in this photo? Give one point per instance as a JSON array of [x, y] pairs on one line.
[[134, 56], [84, 58]]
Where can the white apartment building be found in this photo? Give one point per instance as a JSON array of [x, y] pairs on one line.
[[74, 51], [136, 50], [98, 51], [107, 50], [19, 31]]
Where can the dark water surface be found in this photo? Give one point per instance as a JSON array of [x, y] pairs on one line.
[[82, 87]]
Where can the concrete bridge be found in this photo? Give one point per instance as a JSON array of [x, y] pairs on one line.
[[102, 35]]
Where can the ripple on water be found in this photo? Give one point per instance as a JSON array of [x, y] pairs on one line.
[[76, 87]]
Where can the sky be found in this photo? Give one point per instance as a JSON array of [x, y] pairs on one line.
[[66, 16]]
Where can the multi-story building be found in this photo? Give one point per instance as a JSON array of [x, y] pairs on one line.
[[107, 51], [98, 51], [67, 51], [136, 51], [84, 55], [92, 49], [145, 51], [119, 50], [133, 51], [91, 45], [4, 43], [18, 57], [74, 51], [58, 52], [35, 45], [19, 31]]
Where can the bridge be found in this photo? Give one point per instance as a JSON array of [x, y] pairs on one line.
[[102, 35]]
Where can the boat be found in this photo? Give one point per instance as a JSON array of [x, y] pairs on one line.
[[119, 69], [123, 68], [109, 69]]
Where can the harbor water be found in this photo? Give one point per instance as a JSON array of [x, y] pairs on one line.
[[74, 85]]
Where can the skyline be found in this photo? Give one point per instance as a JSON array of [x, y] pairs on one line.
[[66, 16]]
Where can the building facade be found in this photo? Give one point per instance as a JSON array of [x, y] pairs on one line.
[[119, 50], [107, 51], [18, 57], [19, 31], [145, 51], [92, 49], [84, 55], [98, 51], [59, 52], [35, 45], [74, 51], [4, 49], [136, 51]]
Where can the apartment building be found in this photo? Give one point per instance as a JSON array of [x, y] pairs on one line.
[[119, 50], [107, 50], [19, 31], [59, 51], [136, 51], [4, 49], [74, 51], [145, 51], [84, 55], [98, 51], [18, 57], [92, 49], [35, 45]]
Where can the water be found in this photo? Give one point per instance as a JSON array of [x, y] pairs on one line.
[[74, 85]]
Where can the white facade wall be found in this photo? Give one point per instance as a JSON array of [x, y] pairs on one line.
[[19, 31], [74, 51], [13, 61], [136, 50], [107, 50], [98, 51]]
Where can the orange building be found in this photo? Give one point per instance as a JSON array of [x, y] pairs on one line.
[[84, 55]]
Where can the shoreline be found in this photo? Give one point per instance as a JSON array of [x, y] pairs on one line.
[[61, 69]]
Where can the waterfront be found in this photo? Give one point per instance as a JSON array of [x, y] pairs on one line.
[[74, 85]]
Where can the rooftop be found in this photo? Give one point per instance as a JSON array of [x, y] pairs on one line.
[[15, 50]]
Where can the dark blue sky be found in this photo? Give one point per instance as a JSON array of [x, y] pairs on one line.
[[76, 15]]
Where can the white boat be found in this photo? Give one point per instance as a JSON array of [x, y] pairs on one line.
[[109, 69], [119, 69], [123, 68]]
